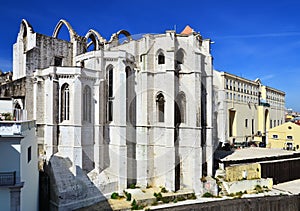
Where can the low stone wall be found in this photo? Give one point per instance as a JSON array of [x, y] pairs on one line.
[[244, 171], [247, 185], [270, 203]]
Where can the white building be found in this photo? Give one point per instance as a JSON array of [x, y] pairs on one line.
[[137, 112], [18, 167], [244, 109]]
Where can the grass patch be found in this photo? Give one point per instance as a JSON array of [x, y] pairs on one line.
[[207, 195]]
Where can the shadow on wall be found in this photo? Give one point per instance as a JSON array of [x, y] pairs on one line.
[[71, 191]]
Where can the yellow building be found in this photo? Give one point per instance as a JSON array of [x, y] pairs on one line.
[[285, 136], [245, 109]]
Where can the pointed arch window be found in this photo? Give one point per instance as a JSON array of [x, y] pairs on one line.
[[110, 85], [179, 57], [87, 104], [161, 58], [160, 104], [65, 102], [182, 106]]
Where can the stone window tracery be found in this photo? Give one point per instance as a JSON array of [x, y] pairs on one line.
[[87, 104], [65, 102]]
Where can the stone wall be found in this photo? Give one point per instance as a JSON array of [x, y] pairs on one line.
[[268, 203], [240, 172]]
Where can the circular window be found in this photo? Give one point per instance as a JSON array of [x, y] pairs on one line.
[[289, 127]]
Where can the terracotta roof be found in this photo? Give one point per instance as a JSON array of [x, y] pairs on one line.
[[187, 30]]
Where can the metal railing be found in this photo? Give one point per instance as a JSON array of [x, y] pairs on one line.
[[7, 178]]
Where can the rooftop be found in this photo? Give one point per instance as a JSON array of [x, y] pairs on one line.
[[255, 153]]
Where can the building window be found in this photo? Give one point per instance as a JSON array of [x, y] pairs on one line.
[[110, 85], [58, 61], [87, 104], [65, 102], [181, 101], [275, 136], [179, 59], [160, 104], [161, 58], [289, 137], [28, 154], [246, 122]]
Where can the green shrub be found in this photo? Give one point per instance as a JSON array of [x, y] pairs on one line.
[[136, 206], [180, 198], [132, 186], [158, 196], [207, 195], [192, 196], [114, 195], [128, 196], [164, 190]]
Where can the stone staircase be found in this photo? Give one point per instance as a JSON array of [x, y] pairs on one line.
[[220, 175]]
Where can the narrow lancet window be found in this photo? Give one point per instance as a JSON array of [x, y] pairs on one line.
[[65, 102], [160, 101]]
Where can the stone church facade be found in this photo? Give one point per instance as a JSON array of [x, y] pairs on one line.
[[124, 111]]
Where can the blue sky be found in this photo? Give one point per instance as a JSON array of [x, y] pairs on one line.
[[253, 39]]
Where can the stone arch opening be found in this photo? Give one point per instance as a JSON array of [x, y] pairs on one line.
[[57, 29], [25, 29], [115, 37], [96, 40]]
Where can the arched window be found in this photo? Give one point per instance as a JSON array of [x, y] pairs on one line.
[[182, 106], [161, 58], [110, 85], [179, 57], [65, 102], [87, 104], [160, 104]]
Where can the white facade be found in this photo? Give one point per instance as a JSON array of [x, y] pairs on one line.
[[138, 112], [245, 109], [18, 168]]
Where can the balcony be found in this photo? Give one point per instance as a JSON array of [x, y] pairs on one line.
[[13, 115], [7, 178]]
